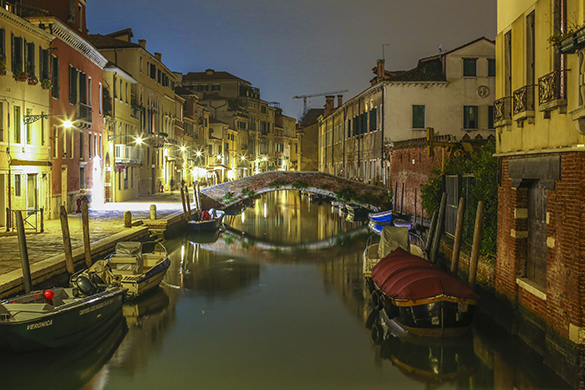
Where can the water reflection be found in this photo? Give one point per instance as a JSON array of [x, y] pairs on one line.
[[62, 369], [239, 311]]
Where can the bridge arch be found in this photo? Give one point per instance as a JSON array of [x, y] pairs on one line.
[[236, 191]]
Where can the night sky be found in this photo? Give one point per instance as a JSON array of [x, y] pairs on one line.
[[296, 47]]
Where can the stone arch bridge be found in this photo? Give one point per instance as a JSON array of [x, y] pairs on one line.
[[232, 192]]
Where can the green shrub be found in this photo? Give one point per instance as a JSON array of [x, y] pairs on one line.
[[299, 185], [277, 184]]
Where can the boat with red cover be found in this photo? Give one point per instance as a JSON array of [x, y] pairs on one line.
[[420, 297]]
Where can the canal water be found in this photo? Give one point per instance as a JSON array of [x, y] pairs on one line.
[[276, 301]]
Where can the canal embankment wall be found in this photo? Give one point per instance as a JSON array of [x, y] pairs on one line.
[[557, 352]]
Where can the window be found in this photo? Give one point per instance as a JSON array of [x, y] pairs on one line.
[[55, 138], [30, 58], [101, 91], [82, 87], [17, 55], [64, 136], [29, 128], [373, 119], [44, 70], [3, 42], [43, 130], [491, 67], [82, 178], [81, 137], [17, 185], [153, 71], [72, 85], [1, 121], [470, 117], [16, 122], [418, 117], [90, 144], [215, 88], [491, 117], [55, 77], [469, 67], [80, 16]]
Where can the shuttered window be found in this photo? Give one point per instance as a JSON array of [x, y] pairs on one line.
[[55, 77], [72, 85], [536, 250]]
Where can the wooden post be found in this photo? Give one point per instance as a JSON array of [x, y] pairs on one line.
[[67, 241], [26, 279], [86, 242], [42, 220], [402, 199], [188, 201], [458, 234], [414, 214], [183, 202], [199, 205], [438, 229], [431, 232], [395, 196], [476, 244]]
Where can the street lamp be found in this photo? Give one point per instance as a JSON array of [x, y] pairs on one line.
[[29, 119]]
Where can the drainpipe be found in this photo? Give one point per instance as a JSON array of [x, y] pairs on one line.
[[9, 160]]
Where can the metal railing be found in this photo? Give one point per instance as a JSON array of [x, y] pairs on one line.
[[503, 109], [524, 99], [32, 220], [84, 112], [551, 87]]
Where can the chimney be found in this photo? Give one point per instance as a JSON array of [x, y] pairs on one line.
[[158, 56], [329, 102], [142, 43], [339, 100], [209, 72], [380, 69]]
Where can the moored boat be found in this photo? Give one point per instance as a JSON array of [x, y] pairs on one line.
[[419, 296], [212, 223], [58, 317], [136, 267]]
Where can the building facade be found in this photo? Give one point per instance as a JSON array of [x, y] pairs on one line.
[[539, 115], [25, 152]]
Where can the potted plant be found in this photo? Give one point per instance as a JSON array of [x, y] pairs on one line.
[[20, 76], [32, 79], [46, 84]]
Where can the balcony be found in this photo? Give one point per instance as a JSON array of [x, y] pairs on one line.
[[128, 154], [523, 103], [503, 111], [551, 91], [84, 115], [572, 43]]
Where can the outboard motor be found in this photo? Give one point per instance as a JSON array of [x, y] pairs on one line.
[[86, 286]]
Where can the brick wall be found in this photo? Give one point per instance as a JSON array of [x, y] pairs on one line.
[[565, 269], [410, 167]]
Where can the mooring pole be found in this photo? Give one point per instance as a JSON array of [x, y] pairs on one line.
[[188, 200], [438, 229], [67, 241], [476, 244], [458, 234], [86, 241], [26, 279]]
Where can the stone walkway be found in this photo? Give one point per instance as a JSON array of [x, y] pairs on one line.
[[103, 222]]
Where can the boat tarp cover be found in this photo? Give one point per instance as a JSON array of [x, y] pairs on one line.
[[402, 275], [382, 216], [129, 248], [393, 237]]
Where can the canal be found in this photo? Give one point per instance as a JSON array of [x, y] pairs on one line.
[[276, 301]]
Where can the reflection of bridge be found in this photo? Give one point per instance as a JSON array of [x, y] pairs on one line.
[[314, 182], [232, 241]]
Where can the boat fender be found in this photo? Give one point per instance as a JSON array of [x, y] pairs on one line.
[[390, 309], [377, 334], [86, 286], [377, 302]]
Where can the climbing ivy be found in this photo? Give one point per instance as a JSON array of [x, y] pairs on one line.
[[483, 167]]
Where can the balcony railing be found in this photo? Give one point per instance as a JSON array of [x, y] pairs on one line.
[[524, 99], [551, 87], [128, 154], [503, 109], [84, 115]]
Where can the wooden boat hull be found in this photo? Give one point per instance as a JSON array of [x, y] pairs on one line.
[[144, 283], [438, 316], [68, 325], [212, 224]]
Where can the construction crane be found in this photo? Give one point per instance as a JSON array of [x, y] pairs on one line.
[[304, 97]]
